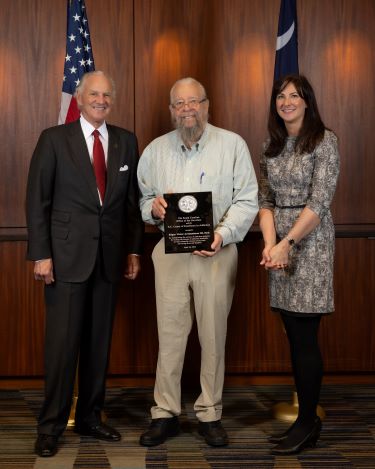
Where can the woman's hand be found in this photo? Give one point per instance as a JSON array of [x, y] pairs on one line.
[[279, 255], [266, 256]]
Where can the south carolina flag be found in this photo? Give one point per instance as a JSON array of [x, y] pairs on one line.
[[78, 59], [286, 60]]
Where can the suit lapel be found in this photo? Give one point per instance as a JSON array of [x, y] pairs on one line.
[[81, 157], [113, 162]]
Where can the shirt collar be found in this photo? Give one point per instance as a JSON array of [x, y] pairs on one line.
[[88, 129]]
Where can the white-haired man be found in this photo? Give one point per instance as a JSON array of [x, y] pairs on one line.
[[85, 231], [195, 157]]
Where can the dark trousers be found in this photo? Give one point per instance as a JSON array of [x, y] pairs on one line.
[[79, 320]]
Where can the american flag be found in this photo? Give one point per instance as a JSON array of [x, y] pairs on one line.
[[78, 60]]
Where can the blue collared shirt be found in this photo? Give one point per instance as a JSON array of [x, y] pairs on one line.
[[220, 162]]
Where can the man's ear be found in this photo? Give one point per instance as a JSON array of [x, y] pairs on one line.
[[78, 99]]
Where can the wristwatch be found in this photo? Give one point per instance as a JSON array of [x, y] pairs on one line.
[[290, 241]]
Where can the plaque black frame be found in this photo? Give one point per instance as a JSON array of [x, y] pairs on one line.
[[189, 229]]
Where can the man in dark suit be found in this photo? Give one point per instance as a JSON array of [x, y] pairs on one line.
[[85, 231]]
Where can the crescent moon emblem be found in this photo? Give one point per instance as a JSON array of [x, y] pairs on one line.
[[284, 38]]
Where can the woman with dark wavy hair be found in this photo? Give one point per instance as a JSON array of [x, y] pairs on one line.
[[299, 169]]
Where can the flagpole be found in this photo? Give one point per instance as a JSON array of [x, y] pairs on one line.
[[71, 420]]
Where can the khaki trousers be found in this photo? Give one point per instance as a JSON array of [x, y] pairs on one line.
[[185, 283]]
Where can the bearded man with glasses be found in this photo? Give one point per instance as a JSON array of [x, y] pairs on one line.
[[195, 157]]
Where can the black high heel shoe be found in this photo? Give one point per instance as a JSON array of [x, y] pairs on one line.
[[279, 437], [308, 441]]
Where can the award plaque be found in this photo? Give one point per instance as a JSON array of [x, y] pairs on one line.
[[188, 223]]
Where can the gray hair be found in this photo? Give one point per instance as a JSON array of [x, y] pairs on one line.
[[81, 84], [187, 81]]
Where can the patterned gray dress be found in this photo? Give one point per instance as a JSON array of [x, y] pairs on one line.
[[290, 179]]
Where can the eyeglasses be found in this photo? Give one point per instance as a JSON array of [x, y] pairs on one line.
[[191, 103]]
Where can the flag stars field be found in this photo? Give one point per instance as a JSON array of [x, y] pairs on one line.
[[78, 59]]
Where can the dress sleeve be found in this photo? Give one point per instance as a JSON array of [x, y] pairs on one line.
[[266, 196], [326, 171]]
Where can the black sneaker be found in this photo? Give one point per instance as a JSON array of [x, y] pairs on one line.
[[159, 431]]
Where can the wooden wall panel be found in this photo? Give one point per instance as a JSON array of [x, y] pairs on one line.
[[233, 56], [240, 73], [336, 50], [31, 66], [170, 39], [348, 336], [256, 341], [228, 45], [124, 337], [111, 28], [22, 314], [135, 340], [32, 51]]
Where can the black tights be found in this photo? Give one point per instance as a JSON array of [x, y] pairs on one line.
[[307, 364]]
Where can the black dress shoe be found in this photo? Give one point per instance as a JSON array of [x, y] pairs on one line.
[[308, 441], [101, 431], [46, 445], [213, 433], [159, 431], [279, 437]]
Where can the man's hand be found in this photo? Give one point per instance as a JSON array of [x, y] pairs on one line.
[[158, 207], [43, 270], [215, 246], [133, 267]]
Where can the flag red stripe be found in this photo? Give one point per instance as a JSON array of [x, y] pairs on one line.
[[73, 111]]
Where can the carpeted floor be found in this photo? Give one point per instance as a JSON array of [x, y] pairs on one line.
[[347, 439]]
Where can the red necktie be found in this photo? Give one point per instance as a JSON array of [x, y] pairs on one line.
[[99, 164]]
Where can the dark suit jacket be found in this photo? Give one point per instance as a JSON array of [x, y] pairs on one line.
[[64, 217]]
